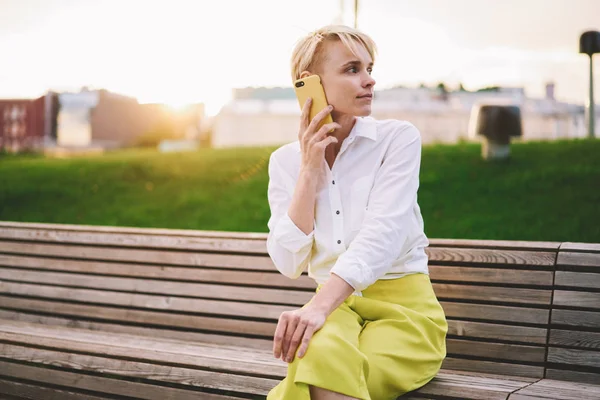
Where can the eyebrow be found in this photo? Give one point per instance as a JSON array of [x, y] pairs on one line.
[[355, 62]]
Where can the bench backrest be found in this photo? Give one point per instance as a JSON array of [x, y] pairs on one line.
[[574, 346], [222, 288]]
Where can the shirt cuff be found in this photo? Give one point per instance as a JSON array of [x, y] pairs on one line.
[[355, 272], [290, 237]]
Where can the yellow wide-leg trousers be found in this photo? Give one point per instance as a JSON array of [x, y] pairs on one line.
[[378, 346]]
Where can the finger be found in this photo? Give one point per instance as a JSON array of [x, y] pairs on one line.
[[308, 334], [326, 142], [296, 340], [325, 129], [319, 117], [304, 118], [287, 338], [279, 335]]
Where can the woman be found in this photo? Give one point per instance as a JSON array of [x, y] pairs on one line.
[[344, 205]]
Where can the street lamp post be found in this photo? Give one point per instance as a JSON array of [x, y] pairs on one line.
[[589, 43]]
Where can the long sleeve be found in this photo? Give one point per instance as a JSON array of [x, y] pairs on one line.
[[288, 246], [384, 230]]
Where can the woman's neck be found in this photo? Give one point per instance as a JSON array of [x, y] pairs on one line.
[[347, 122]]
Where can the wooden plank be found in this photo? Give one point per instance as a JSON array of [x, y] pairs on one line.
[[147, 301], [226, 359], [496, 351], [589, 319], [182, 335], [167, 240], [493, 367], [99, 384], [160, 257], [573, 376], [577, 279], [491, 275], [495, 244], [580, 246], [158, 320], [468, 329], [492, 294], [10, 390], [571, 298], [466, 385], [578, 259], [201, 274], [587, 358], [569, 338], [495, 313], [134, 230], [559, 390], [161, 374], [161, 286], [490, 256]]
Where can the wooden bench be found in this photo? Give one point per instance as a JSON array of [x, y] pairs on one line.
[[105, 312]]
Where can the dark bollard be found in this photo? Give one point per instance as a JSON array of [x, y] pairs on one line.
[[496, 124], [589, 43]]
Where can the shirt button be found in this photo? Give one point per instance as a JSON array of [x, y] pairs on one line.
[[337, 212], [339, 242], [333, 182]]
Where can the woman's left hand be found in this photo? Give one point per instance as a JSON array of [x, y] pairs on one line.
[[295, 328]]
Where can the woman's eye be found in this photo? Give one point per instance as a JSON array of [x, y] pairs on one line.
[[353, 70], [370, 70]]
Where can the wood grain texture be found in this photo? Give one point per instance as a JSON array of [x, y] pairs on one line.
[[102, 385], [576, 299], [573, 376], [558, 390], [493, 367], [587, 358], [497, 331], [496, 313], [491, 275], [158, 257], [578, 259], [491, 256], [493, 294], [190, 274], [574, 318], [577, 279], [11, 390], [570, 338]]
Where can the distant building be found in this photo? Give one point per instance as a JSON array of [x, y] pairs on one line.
[[26, 124], [264, 116], [91, 119]]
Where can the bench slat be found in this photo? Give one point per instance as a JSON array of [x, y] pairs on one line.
[[9, 390], [579, 259], [587, 358], [559, 390], [162, 286], [119, 328], [491, 275], [493, 367], [587, 319], [492, 294], [497, 331], [577, 279], [575, 376], [161, 257], [136, 369], [497, 351], [491, 256], [583, 339], [156, 319], [576, 299], [495, 313], [254, 278]]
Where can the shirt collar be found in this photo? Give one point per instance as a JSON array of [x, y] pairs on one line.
[[364, 126]]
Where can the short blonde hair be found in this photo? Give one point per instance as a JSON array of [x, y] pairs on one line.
[[307, 53]]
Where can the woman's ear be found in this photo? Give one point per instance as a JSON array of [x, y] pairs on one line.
[[304, 74]]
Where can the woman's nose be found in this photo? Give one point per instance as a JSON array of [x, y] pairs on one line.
[[369, 81]]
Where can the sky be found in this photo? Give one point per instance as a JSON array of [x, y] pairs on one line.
[[181, 51]]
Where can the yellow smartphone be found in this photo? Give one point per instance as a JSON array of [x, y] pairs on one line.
[[311, 87]]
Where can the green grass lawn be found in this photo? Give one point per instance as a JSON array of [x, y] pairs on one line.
[[546, 191]]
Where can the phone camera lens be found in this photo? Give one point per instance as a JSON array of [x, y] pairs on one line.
[[299, 84]]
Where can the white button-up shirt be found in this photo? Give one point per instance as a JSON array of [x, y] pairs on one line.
[[368, 225]]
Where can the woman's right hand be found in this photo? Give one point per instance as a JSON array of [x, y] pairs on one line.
[[312, 141]]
